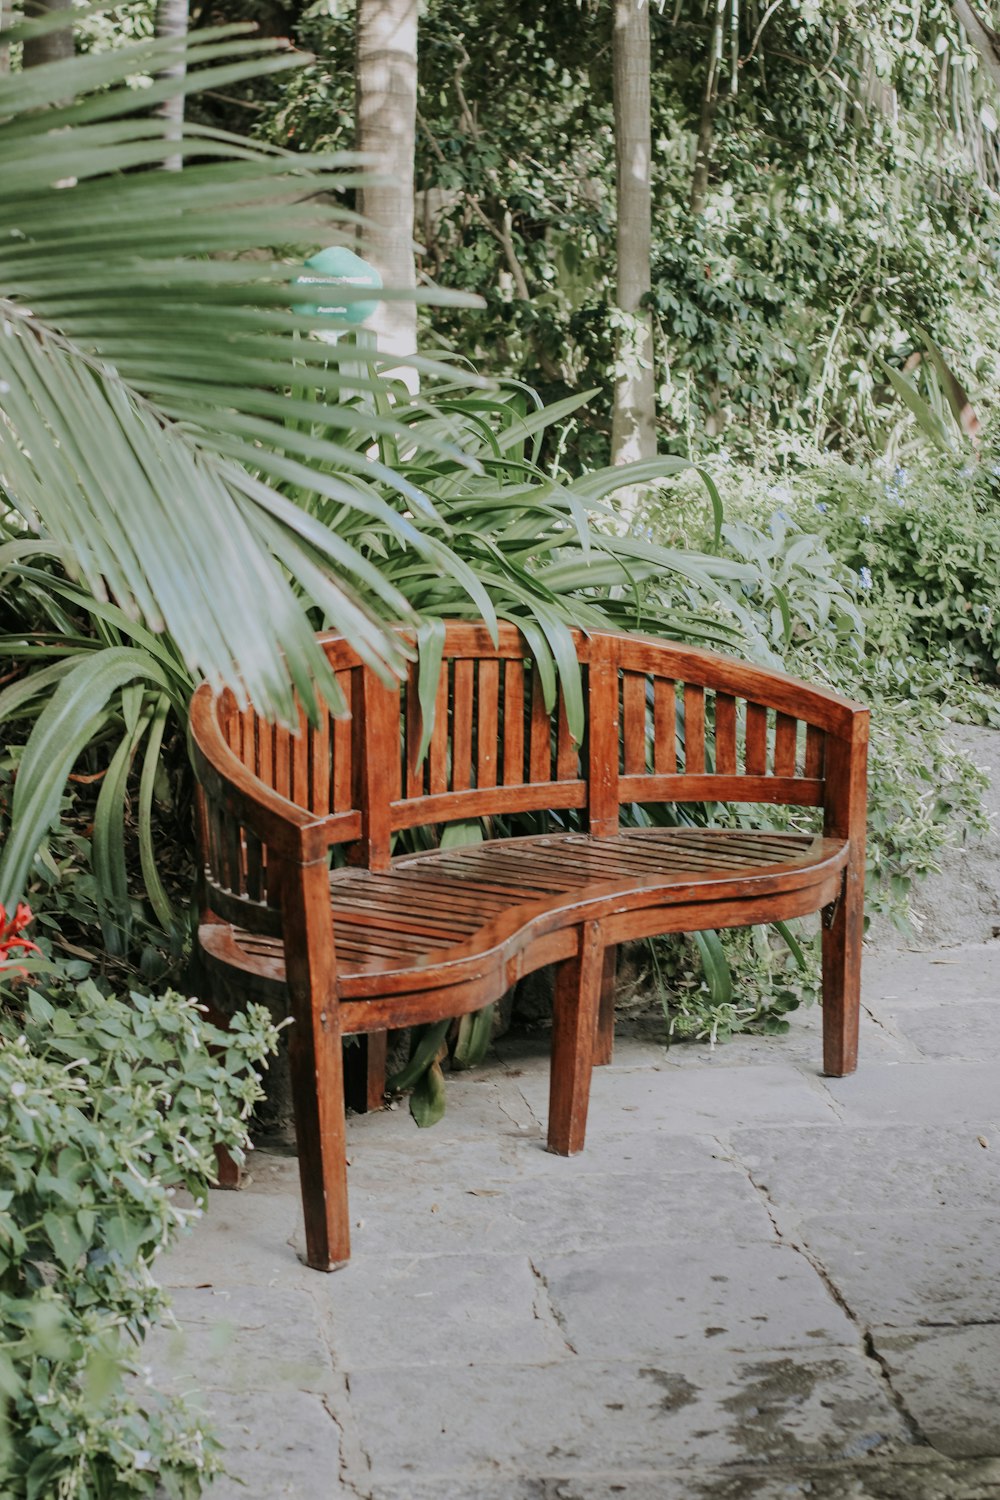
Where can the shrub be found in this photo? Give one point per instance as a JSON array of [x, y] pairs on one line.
[[107, 1108]]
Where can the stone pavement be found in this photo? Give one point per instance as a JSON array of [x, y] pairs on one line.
[[755, 1282]]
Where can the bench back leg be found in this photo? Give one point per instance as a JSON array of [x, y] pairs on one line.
[[317, 1065], [604, 1042], [364, 1071], [843, 930], [574, 1023]]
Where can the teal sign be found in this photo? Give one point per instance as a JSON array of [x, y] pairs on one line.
[[328, 270]]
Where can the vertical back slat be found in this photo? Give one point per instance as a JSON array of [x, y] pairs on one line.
[[540, 742], [664, 727], [343, 749], [634, 723], [785, 739], [756, 756], [461, 727], [282, 761], [414, 772], [513, 723], [725, 734], [299, 748], [567, 753], [254, 866], [694, 729], [487, 722], [602, 740], [265, 752], [319, 763], [437, 774], [815, 743]]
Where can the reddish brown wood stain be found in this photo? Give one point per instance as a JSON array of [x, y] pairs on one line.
[[381, 941]]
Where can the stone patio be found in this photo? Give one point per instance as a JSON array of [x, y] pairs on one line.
[[755, 1283]]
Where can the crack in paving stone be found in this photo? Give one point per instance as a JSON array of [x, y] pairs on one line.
[[866, 1341], [554, 1312]]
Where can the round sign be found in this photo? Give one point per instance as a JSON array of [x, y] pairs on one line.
[[329, 269]]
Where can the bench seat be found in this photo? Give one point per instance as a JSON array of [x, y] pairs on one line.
[[477, 914]]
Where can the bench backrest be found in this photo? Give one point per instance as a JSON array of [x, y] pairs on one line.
[[664, 722]]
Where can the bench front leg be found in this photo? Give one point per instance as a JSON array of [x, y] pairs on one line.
[[574, 1022], [316, 1059]]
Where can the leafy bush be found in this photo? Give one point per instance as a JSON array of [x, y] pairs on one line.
[[107, 1108]]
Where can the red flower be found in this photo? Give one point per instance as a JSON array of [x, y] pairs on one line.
[[11, 943]]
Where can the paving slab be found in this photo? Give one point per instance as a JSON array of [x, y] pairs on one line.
[[907, 1269], [678, 1099], [917, 977], [949, 1379], [908, 1477], [443, 1309], [242, 1339], [582, 1416], [966, 1029], [920, 1093], [286, 1447], [645, 1301], [863, 1168]]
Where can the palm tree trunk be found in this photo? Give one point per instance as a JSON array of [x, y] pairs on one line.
[[54, 46], [633, 430], [386, 92], [172, 22]]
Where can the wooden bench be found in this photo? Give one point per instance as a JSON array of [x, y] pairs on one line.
[[365, 941]]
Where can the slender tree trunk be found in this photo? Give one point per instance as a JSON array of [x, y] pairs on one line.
[[983, 37], [172, 23], [5, 22], [54, 46], [386, 92], [633, 426], [706, 122]]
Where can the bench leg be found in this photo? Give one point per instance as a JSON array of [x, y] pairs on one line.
[[604, 1043], [364, 1071], [574, 1022], [316, 1057], [842, 977]]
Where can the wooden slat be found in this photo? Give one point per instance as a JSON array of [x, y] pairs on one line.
[[725, 734], [254, 864], [815, 745], [634, 723], [694, 729], [282, 771], [540, 743], [602, 744], [487, 723], [411, 813], [414, 772], [265, 752], [567, 754], [785, 741], [664, 727], [319, 764], [513, 723], [299, 750], [461, 726], [437, 755], [343, 760], [756, 753], [796, 791]]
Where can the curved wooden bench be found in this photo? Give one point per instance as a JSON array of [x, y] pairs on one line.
[[376, 941]]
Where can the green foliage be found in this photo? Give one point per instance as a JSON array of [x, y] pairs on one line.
[[107, 1109]]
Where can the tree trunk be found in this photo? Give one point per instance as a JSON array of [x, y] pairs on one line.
[[386, 93], [5, 24], [172, 23], [985, 40], [706, 122], [633, 429], [54, 46]]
